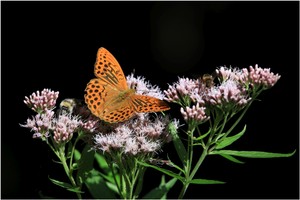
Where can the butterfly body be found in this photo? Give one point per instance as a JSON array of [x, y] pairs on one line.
[[108, 96]]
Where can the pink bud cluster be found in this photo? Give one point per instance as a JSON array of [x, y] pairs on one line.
[[41, 101], [195, 113]]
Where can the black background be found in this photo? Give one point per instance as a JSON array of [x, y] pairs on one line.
[[54, 44]]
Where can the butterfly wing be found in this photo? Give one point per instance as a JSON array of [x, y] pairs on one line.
[[144, 104], [109, 70], [120, 113], [105, 102]]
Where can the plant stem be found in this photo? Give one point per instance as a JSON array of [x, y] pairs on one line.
[[67, 170], [191, 176]]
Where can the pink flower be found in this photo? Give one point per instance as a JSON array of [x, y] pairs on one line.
[[183, 91], [41, 124], [63, 127], [227, 95], [140, 135], [144, 87], [40, 102], [195, 113], [263, 77]]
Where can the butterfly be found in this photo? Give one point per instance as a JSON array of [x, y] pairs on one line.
[[108, 96]]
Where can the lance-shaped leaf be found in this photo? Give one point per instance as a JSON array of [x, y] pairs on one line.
[[231, 158], [205, 181], [165, 171], [252, 154], [229, 140], [67, 186]]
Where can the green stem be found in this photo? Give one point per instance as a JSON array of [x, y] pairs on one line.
[[191, 176], [67, 170]]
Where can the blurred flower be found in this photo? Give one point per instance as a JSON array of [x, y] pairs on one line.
[[42, 101]]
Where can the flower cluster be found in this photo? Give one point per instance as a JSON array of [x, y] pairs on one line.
[[63, 127], [40, 124], [232, 94], [257, 76], [41, 101], [139, 135], [46, 123], [143, 87]]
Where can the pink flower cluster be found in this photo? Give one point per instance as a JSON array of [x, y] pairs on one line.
[[40, 124], [140, 135], [195, 113], [257, 76], [46, 124], [232, 94], [143, 87], [63, 127], [41, 101]]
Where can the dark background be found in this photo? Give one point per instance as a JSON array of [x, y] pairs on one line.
[[54, 44]]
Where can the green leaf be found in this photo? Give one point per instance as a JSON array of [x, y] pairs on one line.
[[106, 169], [67, 186], [253, 154], [85, 163], [77, 155], [229, 140], [231, 158], [203, 136], [180, 149], [97, 186], [161, 191], [205, 181], [165, 171]]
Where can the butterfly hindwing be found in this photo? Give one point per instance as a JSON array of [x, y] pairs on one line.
[[143, 104], [120, 114]]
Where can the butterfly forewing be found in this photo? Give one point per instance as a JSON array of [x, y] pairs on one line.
[[109, 70], [148, 104]]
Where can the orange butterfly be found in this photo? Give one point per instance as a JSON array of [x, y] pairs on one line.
[[108, 96]]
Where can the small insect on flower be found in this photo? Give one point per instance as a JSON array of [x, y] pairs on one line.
[[207, 80], [75, 107]]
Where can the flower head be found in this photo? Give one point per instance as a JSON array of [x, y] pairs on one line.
[[42, 101], [196, 114], [144, 87], [40, 124], [139, 135], [64, 126], [265, 78], [229, 94], [184, 91]]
